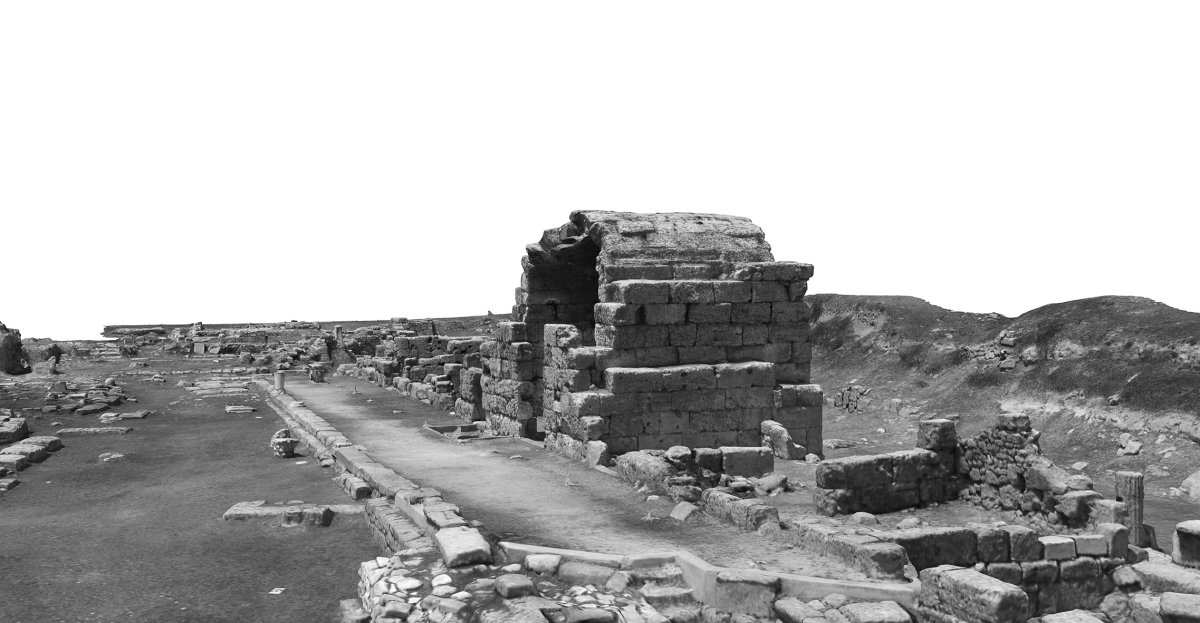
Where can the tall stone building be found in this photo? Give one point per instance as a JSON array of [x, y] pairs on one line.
[[646, 331]]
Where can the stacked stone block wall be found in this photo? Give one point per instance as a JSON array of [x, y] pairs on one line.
[[508, 396], [438, 370], [890, 482], [1053, 573]]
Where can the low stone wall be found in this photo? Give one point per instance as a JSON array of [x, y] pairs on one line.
[[869, 554], [890, 482], [438, 370], [1001, 468], [459, 543]]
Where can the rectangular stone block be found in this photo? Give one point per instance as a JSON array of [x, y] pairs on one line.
[[709, 313], [1057, 547], [691, 292], [1023, 543], [689, 377], [1090, 544], [1116, 538], [512, 331], [731, 291], [747, 461], [968, 595], [768, 292], [617, 313], [992, 542], [665, 314], [750, 313], [640, 291], [937, 434]]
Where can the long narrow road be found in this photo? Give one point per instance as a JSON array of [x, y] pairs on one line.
[[527, 494]]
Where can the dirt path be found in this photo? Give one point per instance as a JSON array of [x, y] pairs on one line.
[[541, 498], [143, 539]]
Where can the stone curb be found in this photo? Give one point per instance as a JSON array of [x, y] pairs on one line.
[[459, 543]]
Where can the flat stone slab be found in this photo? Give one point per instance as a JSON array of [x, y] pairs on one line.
[[7, 484], [289, 514], [875, 612], [1070, 616], [96, 430], [1162, 577], [462, 545]]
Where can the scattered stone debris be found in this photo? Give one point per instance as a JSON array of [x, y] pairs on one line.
[[837, 444], [239, 409], [1129, 445]]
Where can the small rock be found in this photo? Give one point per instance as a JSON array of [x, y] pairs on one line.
[[863, 519], [683, 511], [441, 580], [513, 568], [514, 585], [542, 563], [444, 591], [908, 523], [112, 457], [836, 600], [1079, 466]]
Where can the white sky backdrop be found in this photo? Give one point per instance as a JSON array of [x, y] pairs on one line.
[[167, 162]]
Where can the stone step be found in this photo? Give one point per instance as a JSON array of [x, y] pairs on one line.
[[662, 596]]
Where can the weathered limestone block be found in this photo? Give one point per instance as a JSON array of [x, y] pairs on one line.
[[750, 514], [973, 597], [461, 546], [992, 542], [746, 591], [645, 469], [937, 434], [793, 610], [1057, 547], [875, 612], [1071, 616], [747, 461], [930, 547], [779, 440], [1023, 543], [1180, 607]]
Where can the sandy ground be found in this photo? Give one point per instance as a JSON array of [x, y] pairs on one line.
[[143, 539]]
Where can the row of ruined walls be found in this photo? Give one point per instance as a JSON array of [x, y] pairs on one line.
[[640, 332]]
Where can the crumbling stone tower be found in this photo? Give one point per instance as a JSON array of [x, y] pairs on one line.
[[646, 331]]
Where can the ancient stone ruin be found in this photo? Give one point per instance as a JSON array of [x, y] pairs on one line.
[[647, 331]]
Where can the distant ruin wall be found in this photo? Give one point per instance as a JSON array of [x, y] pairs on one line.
[[12, 353], [1001, 468]]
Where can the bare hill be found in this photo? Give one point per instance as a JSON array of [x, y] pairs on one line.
[[1088, 371]]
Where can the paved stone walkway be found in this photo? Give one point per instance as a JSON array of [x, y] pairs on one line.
[[526, 494]]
